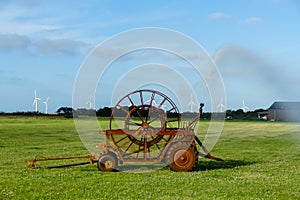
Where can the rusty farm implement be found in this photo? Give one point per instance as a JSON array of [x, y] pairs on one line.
[[145, 126]]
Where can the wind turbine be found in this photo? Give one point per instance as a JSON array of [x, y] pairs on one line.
[[36, 101], [244, 108], [191, 103], [221, 105], [90, 103], [161, 106], [153, 102], [46, 104]]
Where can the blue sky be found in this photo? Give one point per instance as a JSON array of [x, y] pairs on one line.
[[255, 45]]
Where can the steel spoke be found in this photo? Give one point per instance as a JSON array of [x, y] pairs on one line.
[[152, 98], [134, 123], [165, 139], [129, 146], [155, 143], [170, 110], [153, 120], [121, 139], [131, 101], [148, 114], [150, 107], [126, 111], [136, 151], [142, 100], [172, 120], [161, 103], [137, 131], [140, 116], [139, 147]]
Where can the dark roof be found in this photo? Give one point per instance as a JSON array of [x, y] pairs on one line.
[[285, 106]]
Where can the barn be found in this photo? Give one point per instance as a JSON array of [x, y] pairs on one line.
[[284, 111]]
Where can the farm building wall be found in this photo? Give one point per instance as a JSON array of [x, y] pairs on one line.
[[290, 114]]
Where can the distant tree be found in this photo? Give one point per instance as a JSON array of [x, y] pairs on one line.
[[104, 112], [67, 112], [206, 115]]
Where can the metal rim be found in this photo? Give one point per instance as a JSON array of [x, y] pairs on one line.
[[107, 162], [181, 157]]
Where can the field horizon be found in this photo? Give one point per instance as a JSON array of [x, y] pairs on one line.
[[261, 161]]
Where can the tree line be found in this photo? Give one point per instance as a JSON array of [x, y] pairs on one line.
[[238, 114]]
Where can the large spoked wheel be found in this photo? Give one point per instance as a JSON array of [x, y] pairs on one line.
[[142, 115], [145, 129], [181, 156], [108, 162]]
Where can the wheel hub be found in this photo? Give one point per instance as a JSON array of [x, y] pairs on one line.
[[108, 164], [145, 125], [181, 157]]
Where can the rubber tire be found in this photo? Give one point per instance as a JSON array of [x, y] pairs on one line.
[[182, 157], [113, 154], [108, 162]]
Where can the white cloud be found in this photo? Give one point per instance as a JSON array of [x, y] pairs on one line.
[[11, 42], [218, 15], [15, 42], [251, 20], [59, 46], [25, 28], [23, 20]]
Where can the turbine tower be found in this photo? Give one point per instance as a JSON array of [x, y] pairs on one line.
[[36, 101], [90, 103], [244, 108], [46, 105], [221, 105], [191, 104]]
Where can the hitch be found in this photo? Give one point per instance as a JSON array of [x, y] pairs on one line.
[[38, 158]]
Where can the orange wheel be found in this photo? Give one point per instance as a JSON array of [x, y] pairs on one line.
[[181, 156], [108, 162]]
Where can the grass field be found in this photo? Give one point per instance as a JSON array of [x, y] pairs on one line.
[[261, 162]]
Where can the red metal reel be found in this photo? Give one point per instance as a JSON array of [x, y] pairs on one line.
[[141, 116]]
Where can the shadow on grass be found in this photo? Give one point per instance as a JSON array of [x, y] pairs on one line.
[[226, 164], [141, 167], [202, 166]]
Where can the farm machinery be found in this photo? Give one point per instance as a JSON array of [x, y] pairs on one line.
[[146, 126]]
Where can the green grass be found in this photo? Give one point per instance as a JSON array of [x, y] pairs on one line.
[[261, 162]]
